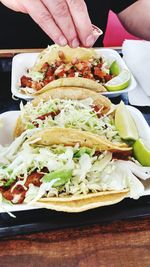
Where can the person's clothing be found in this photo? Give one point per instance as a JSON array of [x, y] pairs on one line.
[[18, 30]]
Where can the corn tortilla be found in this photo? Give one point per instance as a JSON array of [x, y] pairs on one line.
[[83, 202]]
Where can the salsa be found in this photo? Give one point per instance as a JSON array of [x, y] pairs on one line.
[[93, 69]]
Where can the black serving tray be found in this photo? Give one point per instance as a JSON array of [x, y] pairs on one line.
[[42, 219]]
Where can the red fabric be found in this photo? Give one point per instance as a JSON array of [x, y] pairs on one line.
[[115, 32]]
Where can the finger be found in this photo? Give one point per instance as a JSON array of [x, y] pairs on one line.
[[82, 21], [44, 19], [61, 14], [14, 5]]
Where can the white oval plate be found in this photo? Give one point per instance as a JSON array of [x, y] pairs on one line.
[[24, 61], [8, 122]]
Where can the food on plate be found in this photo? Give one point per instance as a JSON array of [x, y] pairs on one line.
[[119, 82], [68, 108], [82, 82], [141, 152], [75, 93], [115, 68], [68, 170], [87, 139], [52, 53], [125, 123], [64, 66]]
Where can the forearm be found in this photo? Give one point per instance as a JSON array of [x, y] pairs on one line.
[[136, 19]]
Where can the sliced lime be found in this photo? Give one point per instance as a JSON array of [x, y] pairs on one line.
[[114, 68], [125, 123], [141, 152], [119, 82]]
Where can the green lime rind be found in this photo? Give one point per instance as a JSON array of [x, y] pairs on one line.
[[141, 153], [120, 82]]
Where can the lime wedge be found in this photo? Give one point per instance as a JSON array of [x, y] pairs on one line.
[[114, 68], [125, 123], [141, 153], [119, 82]]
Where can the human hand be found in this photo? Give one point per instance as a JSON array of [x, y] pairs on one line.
[[64, 21]]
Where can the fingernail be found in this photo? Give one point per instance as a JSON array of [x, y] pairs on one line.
[[90, 40], [96, 37], [96, 32], [75, 43], [62, 41]]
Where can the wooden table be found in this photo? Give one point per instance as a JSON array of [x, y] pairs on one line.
[[116, 244], [113, 244]]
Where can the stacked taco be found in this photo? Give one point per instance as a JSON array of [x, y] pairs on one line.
[[64, 67]]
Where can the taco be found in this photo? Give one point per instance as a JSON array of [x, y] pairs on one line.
[[74, 106], [68, 108], [64, 66], [74, 136], [75, 93], [62, 170], [52, 53]]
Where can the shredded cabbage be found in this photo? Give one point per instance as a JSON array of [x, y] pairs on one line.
[[90, 173], [73, 114], [35, 75]]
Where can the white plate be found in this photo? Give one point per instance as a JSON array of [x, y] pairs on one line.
[[7, 126], [8, 122], [22, 62]]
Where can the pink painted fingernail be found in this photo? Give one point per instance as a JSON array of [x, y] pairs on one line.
[[75, 43], [62, 41], [90, 40]]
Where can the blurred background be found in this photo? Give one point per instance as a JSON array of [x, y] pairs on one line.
[[115, 33]]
